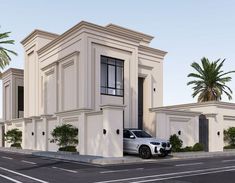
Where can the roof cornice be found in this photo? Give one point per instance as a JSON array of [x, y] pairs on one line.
[[37, 32], [12, 71], [91, 26], [152, 50], [118, 28]]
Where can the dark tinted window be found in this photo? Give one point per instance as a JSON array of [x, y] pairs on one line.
[[141, 134], [126, 134], [112, 74]]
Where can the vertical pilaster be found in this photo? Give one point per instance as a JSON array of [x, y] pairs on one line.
[[112, 130], [45, 130]]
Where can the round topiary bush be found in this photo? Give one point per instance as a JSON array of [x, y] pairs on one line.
[[14, 137], [66, 137], [198, 147]]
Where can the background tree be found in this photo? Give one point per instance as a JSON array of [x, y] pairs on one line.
[[210, 80], [4, 52], [66, 136], [14, 137]]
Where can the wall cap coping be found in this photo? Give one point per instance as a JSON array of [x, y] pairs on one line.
[[17, 120], [46, 116], [175, 112], [112, 106], [226, 117], [34, 117], [72, 112], [93, 113], [219, 104], [212, 115]]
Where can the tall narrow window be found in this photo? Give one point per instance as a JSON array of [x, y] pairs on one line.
[[112, 76], [20, 101]]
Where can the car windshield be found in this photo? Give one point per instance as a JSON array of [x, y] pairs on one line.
[[141, 134]]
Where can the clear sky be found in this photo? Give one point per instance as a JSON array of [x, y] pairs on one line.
[[186, 29]]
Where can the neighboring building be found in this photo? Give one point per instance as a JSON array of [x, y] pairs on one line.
[[196, 122], [101, 80]]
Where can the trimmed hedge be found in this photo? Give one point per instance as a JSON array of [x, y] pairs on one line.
[[17, 145], [68, 149], [198, 147], [229, 147]]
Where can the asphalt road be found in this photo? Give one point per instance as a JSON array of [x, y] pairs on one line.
[[18, 168]]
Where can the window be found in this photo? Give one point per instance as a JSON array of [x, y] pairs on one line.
[[20, 101], [111, 76], [126, 134]]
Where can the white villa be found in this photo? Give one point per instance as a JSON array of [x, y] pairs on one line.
[[100, 79]]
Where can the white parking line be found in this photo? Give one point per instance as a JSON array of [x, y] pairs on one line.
[[23, 175], [67, 170], [29, 162], [116, 171], [228, 160], [182, 176], [169, 174], [6, 157], [189, 164], [9, 178]]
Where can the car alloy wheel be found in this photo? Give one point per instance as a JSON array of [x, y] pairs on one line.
[[145, 152]]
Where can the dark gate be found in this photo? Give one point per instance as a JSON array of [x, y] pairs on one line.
[[140, 102], [203, 132]]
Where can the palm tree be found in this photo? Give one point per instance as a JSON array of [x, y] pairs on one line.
[[210, 80], [4, 53]]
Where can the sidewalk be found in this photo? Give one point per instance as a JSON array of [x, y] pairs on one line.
[[126, 159]]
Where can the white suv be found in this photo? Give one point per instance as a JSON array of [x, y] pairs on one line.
[[140, 142]]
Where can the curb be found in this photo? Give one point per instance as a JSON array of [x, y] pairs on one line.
[[98, 160]]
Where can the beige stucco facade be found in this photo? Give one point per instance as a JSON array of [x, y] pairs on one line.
[[63, 72], [185, 118], [62, 84]]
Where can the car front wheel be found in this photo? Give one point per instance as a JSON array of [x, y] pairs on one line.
[[145, 152]]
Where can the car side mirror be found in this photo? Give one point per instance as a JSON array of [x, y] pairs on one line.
[[132, 137]]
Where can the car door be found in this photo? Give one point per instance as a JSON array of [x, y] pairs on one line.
[[129, 144]]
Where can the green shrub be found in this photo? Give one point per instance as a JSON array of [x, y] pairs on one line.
[[187, 149], [66, 137], [198, 147], [68, 149], [229, 136], [229, 147], [17, 145], [176, 143], [14, 137]]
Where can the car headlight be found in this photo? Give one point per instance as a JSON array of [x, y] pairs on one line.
[[155, 143]]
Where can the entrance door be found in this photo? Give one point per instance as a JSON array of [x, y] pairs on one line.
[[203, 132], [140, 102]]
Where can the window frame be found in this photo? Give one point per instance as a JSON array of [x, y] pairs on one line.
[[107, 87]]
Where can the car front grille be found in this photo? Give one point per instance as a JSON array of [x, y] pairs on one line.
[[168, 144], [163, 144]]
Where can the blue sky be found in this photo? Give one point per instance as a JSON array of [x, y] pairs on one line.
[[186, 29]]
